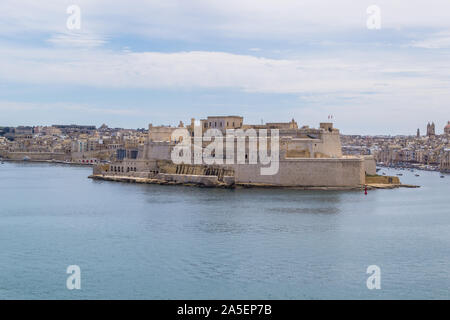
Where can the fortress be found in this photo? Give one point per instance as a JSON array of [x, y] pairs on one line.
[[305, 157]]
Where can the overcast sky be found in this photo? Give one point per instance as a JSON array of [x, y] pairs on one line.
[[137, 62]]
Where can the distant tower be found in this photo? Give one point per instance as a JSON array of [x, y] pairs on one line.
[[418, 133], [431, 129], [447, 128]]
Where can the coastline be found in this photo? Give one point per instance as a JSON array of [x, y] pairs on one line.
[[49, 161], [129, 179]]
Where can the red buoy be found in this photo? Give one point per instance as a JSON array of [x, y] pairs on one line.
[[365, 190]]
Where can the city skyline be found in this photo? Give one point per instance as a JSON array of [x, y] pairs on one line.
[[127, 66], [174, 123]]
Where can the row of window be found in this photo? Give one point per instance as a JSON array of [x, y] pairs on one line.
[[214, 124], [88, 161], [122, 169]]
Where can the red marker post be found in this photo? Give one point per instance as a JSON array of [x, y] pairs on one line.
[[365, 190]]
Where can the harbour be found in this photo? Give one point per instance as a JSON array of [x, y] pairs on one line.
[[148, 241]]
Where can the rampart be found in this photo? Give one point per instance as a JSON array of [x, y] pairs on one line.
[[306, 172]]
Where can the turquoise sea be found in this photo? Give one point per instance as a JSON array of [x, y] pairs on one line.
[[136, 241]]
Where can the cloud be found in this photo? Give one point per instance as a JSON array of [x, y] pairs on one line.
[[74, 39], [204, 69], [321, 53], [436, 41], [254, 19], [7, 106]]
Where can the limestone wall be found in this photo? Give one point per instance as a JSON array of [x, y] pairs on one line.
[[307, 173], [129, 167], [382, 180], [158, 150], [200, 170], [98, 154], [326, 172], [208, 181], [331, 144], [370, 166], [37, 156], [160, 133]]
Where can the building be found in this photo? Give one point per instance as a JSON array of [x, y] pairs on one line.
[[447, 129], [431, 129], [307, 157], [228, 122], [445, 161]]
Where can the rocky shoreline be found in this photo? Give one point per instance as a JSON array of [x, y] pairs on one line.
[[129, 179]]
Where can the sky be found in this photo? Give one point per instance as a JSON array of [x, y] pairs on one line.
[[137, 62]]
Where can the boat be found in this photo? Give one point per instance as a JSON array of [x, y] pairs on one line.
[[26, 158], [442, 176], [417, 175], [399, 174]]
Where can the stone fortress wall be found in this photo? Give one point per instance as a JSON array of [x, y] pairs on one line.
[[306, 173], [35, 156], [308, 158]]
